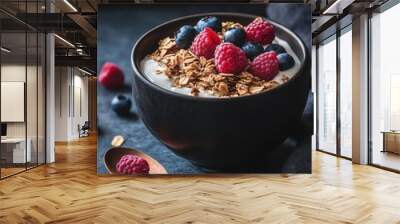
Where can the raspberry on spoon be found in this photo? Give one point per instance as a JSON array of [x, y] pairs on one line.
[[132, 164]]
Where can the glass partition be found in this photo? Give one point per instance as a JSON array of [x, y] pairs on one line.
[[32, 97], [327, 95], [385, 89], [22, 101], [14, 155]]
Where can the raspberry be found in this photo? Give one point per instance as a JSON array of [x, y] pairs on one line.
[[230, 59], [205, 43], [260, 31], [132, 164], [111, 76], [265, 66]]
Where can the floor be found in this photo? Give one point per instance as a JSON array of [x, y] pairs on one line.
[[10, 171], [5, 172], [386, 159], [69, 191]]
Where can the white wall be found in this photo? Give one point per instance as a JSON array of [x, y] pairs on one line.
[[16, 73], [61, 103], [13, 73], [80, 110], [71, 102]]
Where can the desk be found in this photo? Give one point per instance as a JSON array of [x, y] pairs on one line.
[[13, 150], [391, 141]]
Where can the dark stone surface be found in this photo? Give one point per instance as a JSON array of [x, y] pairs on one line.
[[119, 27]]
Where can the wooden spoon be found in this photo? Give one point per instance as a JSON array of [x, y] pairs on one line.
[[114, 154]]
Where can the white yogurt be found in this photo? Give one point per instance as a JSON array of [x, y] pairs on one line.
[[151, 69]]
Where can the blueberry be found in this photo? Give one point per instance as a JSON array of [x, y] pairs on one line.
[[185, 36], [121, 104], [252, 50], [285, 61], [236, 36], [275, 47], [209, 21]]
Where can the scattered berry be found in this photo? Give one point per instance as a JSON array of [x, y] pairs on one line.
[[275, 47], [236, 36], [230, 59], [252, 50], [132, 164], [111, 76], [286, 61], [265, 66], [185, 36], [209, 21], [205, 43], [121, 104], [260, 31]]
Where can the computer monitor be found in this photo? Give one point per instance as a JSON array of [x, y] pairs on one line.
[[3, 129]]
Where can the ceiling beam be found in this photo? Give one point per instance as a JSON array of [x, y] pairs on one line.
[[74, 13], [84, 24], [338, 6], [79, 61]]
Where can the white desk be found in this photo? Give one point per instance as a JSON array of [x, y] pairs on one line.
[[19, 155]]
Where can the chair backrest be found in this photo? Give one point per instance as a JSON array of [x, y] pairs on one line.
[[86, 125]]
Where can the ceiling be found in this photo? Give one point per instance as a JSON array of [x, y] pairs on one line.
[[76, 21]]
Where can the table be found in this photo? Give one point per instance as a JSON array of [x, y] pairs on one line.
[[16, 153], [391, 141]]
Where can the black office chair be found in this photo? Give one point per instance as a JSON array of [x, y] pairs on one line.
[[84, 130]]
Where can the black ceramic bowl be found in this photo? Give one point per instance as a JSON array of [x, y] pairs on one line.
[[220, 133]]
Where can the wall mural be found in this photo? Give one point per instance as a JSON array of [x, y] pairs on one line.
[[204, 88]]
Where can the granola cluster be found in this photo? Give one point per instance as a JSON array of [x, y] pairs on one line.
[[184, 69]]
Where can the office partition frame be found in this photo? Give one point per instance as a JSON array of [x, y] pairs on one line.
[[43, 55], [338, 33]]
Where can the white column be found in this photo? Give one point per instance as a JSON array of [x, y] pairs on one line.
[[360, 90], [50, 94]]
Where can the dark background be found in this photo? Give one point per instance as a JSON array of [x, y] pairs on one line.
[[119, 26]]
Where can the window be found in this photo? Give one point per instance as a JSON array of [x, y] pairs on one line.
[[385, 89], [346, 92], [327, 96]]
